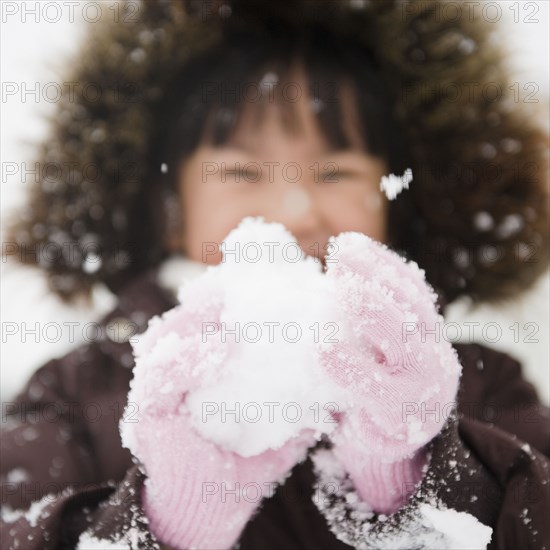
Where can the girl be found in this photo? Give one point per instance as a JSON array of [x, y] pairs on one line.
[[212, 111]]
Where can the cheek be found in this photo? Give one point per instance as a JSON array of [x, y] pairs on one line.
[[210, 210], [197, 206], [362, 210], [376, 208], [374, 203], [380, 228]]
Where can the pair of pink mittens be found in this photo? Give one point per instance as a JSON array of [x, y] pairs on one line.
[[395, 373]]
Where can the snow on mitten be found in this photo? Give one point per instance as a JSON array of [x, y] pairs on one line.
[[398, 375], [197, 494]]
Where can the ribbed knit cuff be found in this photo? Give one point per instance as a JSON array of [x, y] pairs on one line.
[[182, 520], [386, 486]]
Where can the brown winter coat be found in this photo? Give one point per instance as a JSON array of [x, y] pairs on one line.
[[60, 438]]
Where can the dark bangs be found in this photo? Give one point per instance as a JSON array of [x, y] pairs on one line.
[[207, 99]]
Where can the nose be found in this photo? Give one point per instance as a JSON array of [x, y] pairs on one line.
[[296, 203]]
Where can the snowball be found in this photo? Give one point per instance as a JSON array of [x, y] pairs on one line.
[[273, 320]]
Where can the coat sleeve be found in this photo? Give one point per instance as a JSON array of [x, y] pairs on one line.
[[45, 445], [54, 493], [493, 390], [479, 477], [107, 515]]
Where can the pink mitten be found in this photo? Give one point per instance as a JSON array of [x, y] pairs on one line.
[[196, 495], [398, 375]]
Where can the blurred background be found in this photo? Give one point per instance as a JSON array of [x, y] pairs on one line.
[[34, 52]]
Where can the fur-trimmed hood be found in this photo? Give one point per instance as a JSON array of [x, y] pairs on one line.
[[476, 214]]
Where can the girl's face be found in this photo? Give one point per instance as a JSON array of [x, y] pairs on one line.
[[294, 179]]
